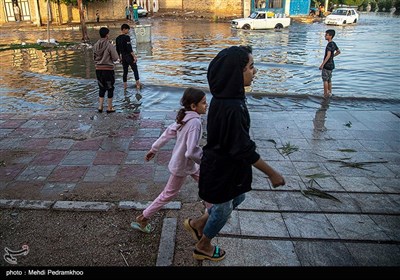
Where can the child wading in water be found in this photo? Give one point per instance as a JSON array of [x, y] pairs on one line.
[[186, 155]]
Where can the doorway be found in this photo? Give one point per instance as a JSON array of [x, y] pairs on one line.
[[23, 6]]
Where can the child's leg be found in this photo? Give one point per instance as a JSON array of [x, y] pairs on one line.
[[102, 88], [110, 90], [326, 89], [101, 101], [171, 189], [125, 74], [199, 223], [136, 74], [135, 71], [330, 88]]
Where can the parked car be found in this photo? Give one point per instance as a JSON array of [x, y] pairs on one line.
[[142, 12], [261, 20], [342, 16]]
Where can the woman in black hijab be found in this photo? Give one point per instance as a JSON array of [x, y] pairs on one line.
[[228, 156]]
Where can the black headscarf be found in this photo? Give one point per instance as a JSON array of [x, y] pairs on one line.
[[225, 73]]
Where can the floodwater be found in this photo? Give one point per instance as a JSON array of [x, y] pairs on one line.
[[366, 75]]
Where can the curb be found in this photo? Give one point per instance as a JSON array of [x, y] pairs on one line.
[[81, 205]]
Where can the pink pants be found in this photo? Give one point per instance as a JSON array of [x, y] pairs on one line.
[[171, 190]]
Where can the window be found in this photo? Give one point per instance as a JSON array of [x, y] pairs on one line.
[[275, 4]]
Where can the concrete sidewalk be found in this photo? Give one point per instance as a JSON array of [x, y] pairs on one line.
[[353, 156]]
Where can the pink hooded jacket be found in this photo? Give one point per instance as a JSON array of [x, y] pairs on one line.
[[187, 153]]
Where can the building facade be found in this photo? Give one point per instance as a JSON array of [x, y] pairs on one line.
[[40, 11]]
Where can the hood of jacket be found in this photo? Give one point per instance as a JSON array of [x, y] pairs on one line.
[[100, 47], [190, 115], [225, 74]]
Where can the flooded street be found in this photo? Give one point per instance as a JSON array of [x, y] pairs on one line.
[[366, 74]]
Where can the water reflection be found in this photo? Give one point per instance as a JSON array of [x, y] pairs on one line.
[[131, 102], [320, 118], [144, 49]]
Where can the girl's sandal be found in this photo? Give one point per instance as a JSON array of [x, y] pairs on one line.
[[145, 229]]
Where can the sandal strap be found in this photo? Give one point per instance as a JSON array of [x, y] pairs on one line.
[[216, 252]]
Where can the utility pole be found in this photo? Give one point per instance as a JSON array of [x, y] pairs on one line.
[[85, 37], [48, 21], [151, 7]]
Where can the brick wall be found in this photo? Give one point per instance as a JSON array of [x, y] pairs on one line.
[[214, 7]]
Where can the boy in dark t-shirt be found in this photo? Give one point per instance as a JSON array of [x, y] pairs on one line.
[[328, 64], [127, 56]]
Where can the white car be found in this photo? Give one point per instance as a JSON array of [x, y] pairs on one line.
[[142, 12], [342, 16], [261, 20]]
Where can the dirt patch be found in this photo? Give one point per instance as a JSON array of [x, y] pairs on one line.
[[63, 238], [69, 238]]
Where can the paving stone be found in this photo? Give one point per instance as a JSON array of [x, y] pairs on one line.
[[389, 224], [68, 174], [308, 225], [82, 206], [109, 157], [262, 224], [356, 227], [295, 201], [36, 173], [60, 144], [323, 253], [149, 132], [79, 158], [101, 173], [375, 254], [166, 248], [140, 205], [377, 203], [357, 184], [57, 188], [26, 204], [136, 157], [259, 200]]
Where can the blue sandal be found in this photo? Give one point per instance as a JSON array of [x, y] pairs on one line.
[[216, 257], [137, 226]]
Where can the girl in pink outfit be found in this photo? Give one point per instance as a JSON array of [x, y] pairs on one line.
[[186, 155]]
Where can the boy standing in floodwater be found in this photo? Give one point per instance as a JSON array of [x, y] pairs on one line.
[[105, 55], [328, 64], [127, 56]]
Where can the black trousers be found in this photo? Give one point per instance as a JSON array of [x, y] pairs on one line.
[[106, 81], [125, 67]]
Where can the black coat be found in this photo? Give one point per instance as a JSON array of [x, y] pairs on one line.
[[226, 165]]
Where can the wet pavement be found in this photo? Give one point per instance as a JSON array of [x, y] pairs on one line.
[[340, 207]]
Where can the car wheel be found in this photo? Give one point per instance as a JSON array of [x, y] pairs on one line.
[[355, 21], [278, 26], [344, 22], [246, 26]]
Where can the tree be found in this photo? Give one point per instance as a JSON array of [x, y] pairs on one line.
[[80, 4], [85, 37], [354, 3]]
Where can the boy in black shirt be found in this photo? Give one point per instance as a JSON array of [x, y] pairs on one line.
[[328, 64], [127, 56]]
